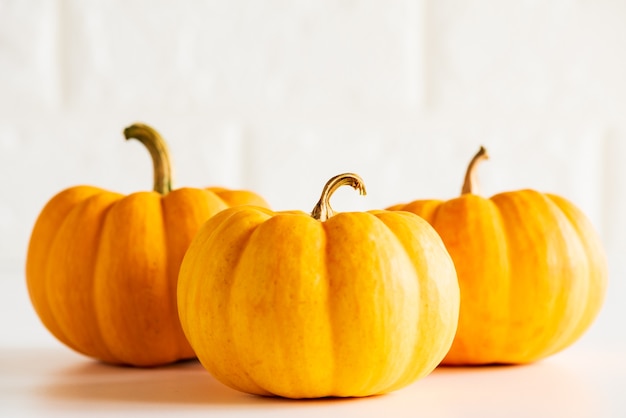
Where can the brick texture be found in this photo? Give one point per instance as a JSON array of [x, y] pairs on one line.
[[278, 96]]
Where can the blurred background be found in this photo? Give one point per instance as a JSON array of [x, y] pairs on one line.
[[279, 96]]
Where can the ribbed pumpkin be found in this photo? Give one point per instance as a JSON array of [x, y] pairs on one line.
[[306, 306], [102, 267], [531, 269]]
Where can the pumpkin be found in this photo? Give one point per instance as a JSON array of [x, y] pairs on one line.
[[102, 267], [305, 306], [532, 271]]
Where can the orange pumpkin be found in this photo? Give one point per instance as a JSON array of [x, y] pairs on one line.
[[102, 267], [531, 269], [304, 306]]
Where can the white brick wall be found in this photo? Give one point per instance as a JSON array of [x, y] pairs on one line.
[[278, 96]]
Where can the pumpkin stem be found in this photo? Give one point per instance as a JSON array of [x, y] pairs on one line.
[[322, 210], [470, 185], [152, 140]]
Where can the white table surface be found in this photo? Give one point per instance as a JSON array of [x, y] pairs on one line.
[[56, 382]]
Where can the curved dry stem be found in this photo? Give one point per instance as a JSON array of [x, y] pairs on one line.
[[470, 184], [157, 147], [322, 210]]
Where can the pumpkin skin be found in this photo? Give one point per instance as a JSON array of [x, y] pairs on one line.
[[532, 272], [102, 267], [359, 304]]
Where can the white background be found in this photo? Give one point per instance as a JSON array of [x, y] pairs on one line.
[[278, 96]]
